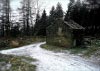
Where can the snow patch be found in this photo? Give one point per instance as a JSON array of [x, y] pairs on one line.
[[50, 61]]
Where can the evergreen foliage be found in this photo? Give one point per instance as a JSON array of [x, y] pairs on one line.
[[40, 25], [51, 16], [86, 15], [59, 11], [37, 24], [43, 22]]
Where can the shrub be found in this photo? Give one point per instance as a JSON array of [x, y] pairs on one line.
[[4, 44]]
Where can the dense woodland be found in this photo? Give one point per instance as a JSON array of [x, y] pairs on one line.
[[85, 13]]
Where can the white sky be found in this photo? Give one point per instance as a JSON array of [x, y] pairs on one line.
[[15, 4], [45, 4]]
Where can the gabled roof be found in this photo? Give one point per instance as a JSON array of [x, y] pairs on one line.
[[73, 25]]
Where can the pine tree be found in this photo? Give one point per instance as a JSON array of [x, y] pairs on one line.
[[52, 12], [51, 16], [73, 11], [86, 15], [70, 10], [59, 11], [41, 25], [37, 24]]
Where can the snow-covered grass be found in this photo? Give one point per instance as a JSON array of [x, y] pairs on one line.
[[51, 61], [94, 48], [92, 53]]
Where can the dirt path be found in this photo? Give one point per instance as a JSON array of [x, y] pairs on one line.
[[50, 61]]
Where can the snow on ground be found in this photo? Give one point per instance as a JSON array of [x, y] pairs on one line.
[[50, 61]]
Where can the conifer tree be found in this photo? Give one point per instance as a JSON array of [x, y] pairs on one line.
[[86, 15], [37, 24], [52, 12], [59, 11], [41, 25], [51, 16]]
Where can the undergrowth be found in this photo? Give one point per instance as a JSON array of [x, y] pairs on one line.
[[7, 43]]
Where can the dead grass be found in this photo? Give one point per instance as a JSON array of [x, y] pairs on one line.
[[7, 43]]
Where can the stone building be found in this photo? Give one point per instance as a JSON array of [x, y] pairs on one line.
[[64, 33]]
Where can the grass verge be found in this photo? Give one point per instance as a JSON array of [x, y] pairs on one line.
[[53, 48], [92, 51], [87, 52], [74, 50], [16, 63]]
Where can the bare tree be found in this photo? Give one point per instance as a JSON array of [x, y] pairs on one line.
[[1, 27], [26, 12], [5, 17]]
